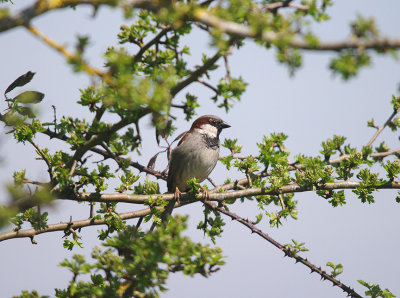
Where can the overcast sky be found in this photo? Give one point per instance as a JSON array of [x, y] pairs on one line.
[[309, 107]]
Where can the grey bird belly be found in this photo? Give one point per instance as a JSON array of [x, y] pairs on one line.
[[189, 162]]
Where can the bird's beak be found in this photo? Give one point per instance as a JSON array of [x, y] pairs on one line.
[[224, 125]]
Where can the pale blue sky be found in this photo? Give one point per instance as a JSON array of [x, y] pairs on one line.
[[309, 107]]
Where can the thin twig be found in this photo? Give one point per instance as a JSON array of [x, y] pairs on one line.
[[282, 202], [61, 49], [281, 4], [43, 156], [207, 85], [377, 133], [73, 168], [196, 74], [144, 48]]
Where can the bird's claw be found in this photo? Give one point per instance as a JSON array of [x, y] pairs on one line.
[[177, 195], [205, 194]]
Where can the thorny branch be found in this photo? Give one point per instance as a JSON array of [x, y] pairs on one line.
[[220, 196], [107, 155], [61, 49], [186, 198], [294, 167], [148, 45], [202, 16], [324, 275], [377, 133], [196, 74], [77, 224], [43, 156]]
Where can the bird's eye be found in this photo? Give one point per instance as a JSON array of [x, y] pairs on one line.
[[213, 122]]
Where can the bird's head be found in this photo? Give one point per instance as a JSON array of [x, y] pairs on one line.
[[210, 125]]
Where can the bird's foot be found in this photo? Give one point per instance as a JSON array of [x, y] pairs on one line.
[[205, 194], [177, 195]]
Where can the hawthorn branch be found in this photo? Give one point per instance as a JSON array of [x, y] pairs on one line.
[[40, 7], [200, 15], [73, 224], [106, 155], [381, 128], [245, 31], [43, 156], [61, 49], [196, 74], [294, 167], [214, 196], [144, 48], [287, 251], [281, 4], [30, 233]]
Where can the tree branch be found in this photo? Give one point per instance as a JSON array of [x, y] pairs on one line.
[[214, 196], [106, 155], [324, 275], [377, 133], [143, 49], [281, 4], [244, 31], [200, 15], [43, 156], [74, 225], [40, 7], [61, 49], [78, 224], [294, 167], [196, 74]]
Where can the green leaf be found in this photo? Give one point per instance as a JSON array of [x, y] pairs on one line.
[[29, 97]]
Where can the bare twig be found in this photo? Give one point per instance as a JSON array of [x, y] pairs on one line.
[[144, 48], [196, 74], [43, 156], [324, 275], [61, 49], [377, 133], [73, 168], [282, 202], [207, 85], [276, 5]]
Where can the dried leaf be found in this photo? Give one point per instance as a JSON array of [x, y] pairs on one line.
[[20, 81], [163, 133], [152, 161], [29, 97], [179, 137]]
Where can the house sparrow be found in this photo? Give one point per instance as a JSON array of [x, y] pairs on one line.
[[195, 156]]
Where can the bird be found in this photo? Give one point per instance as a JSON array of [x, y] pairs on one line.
[[195, 156]]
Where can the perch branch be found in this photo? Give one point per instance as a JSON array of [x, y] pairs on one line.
[[287, 251]]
